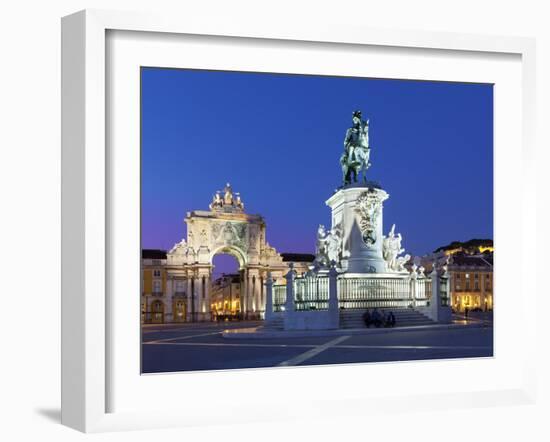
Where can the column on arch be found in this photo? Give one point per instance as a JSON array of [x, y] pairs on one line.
[[243, 291], [256, 291], [249, 293], [207, 286], [189, 295], [202, 293], [168, 296], [197, 294], [262, 291]]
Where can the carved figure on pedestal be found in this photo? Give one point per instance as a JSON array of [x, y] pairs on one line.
[[401, 261], [391, 249], [421, 271], [329, 246], [334, 245], [321, 256]]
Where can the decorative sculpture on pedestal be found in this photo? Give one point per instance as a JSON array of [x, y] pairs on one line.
[[321, 247], [334, 246], [329, 246], [391, 249], [401, 261], [368, 207], [355, 158]]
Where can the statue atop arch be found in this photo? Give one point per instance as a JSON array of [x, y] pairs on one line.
[[226, 200], [228, 194]]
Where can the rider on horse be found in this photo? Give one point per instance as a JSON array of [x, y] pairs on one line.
[[356, 149]]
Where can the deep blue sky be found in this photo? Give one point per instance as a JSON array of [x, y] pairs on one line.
[[278, 138]]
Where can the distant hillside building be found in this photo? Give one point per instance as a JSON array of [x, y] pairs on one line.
[[471, 247]]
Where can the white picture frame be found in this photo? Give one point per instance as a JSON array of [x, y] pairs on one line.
[[86, 205]]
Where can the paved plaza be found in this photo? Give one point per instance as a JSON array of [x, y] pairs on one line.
[[200, 346]]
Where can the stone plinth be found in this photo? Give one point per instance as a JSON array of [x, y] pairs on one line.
[[357, 214]]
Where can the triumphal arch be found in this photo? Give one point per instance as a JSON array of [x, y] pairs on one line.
[[225, 228]]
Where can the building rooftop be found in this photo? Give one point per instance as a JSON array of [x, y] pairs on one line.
[[298, 257], [485, 260], [287, 257], [153, 254]]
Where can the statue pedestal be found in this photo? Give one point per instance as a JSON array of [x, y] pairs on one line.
[[357, 213]]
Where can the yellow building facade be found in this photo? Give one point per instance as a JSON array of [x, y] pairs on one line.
[[158, 304], [471, 282], [153, 275], [226, 297]]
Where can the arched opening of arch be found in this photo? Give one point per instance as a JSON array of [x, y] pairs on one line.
[[225, 299]]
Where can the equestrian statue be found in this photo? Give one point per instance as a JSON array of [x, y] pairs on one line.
[[355, 158]]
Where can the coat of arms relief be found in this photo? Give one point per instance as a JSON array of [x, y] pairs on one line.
[[230, 233], [368, 207]]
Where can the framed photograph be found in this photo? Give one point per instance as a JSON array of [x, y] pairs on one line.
[[319, 217]]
